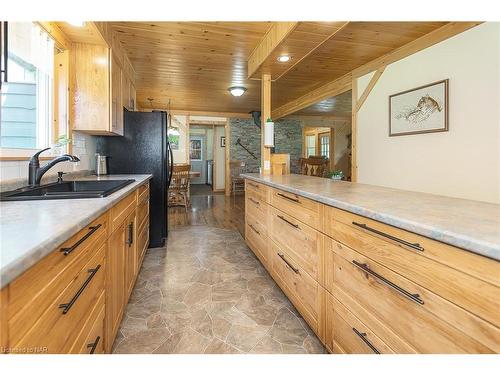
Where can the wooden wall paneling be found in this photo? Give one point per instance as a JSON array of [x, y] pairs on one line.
[[265, 114], [227, 181], [273, 38], [61, 94]]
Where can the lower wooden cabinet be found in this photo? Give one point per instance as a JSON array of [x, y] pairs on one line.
[[72, 301], [366, 287]]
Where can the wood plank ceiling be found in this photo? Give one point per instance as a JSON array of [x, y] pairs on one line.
[[336, 106], [194, 63]]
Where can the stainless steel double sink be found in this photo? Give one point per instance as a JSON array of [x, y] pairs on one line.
[[66, 190]]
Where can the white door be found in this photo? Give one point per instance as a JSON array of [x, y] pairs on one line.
[[197, 155]]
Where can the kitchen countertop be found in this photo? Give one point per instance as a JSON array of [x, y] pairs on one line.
[[467, 224], [32, 229]]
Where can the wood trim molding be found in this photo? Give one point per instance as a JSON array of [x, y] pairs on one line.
[[187, 112], [428, 40], [369, 88], [60, 38], [227, 180], [335, 87], [276, 34], [312, 50], [265, 103]]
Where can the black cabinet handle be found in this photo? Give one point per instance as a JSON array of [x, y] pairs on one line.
[[415, 246], [67, 250], [93, 346], [255, 230], [67, 306], [362, 336], [296, 270], [411, 296], [130, 239], [254, 201], [289, 222], [289, 198]]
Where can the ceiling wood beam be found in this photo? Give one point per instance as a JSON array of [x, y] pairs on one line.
[[187, 112], [273, 38], [60, 38], [312, 50], [340, 85], [335, 87], [265, 105], [428, 40], [369, 88]]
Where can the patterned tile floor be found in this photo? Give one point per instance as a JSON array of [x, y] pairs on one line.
[[209, 294]]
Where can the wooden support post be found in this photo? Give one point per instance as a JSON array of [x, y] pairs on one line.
[[265, 102], [227, 180], [354, 132]]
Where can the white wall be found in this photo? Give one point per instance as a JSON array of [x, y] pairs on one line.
[[463, 162], [84, 146], [180, 154]]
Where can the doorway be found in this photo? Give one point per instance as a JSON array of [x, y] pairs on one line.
[[198, 157]]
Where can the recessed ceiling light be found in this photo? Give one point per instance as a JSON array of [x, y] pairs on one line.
[[76, 23], [237, 90], [283, 58]]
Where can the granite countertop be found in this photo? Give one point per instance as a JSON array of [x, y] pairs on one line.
[[470, 225], [30, 230]]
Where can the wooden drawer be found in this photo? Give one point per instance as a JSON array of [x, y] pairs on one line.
[[303, 243], [345, 333], [31, 294], [143, 213], [259, 191], [466, 279], [142, 243], [61, 322], [256, 207], [121, 210], [304, 292], [256, 239], [300, 208], [142, 193], [91, 338], [425, 321]]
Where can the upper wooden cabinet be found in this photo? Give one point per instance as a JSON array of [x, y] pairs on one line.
[[128, 93], [99, 88]]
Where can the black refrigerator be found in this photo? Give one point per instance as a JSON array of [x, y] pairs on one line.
[[144, 149]]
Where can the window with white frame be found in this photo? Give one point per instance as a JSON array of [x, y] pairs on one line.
[[310, 145], [27, 94], [324, 145]]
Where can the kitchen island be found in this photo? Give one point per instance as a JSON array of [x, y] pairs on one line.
[[374, 269]]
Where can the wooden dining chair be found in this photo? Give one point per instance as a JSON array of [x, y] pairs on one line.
[[314, 166], [178, 192], [237, 182]]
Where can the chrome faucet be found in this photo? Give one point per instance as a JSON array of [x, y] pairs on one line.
[[35, 173]]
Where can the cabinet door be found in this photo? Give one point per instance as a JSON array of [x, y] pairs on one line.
[[131, 252], [116, 97], [115, 291]]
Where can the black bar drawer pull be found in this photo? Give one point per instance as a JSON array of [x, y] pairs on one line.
[[93, 345], [289, 198], [254, 201], [296, 270], [411, 296], [67, 306], [255, 230], [362, 336], [67, 250], [286, 221], [130, 240], [415, 246]]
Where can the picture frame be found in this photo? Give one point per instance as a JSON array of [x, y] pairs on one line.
[[420, 110], [222, 141]]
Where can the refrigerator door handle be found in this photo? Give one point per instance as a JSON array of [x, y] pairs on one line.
[[171, 162]]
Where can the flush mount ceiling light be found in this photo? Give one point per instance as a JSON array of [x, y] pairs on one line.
[[283, 58], [76, 23], [237, 90]]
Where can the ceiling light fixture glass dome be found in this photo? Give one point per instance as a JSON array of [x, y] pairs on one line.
[[283, 58], [237, 90]]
